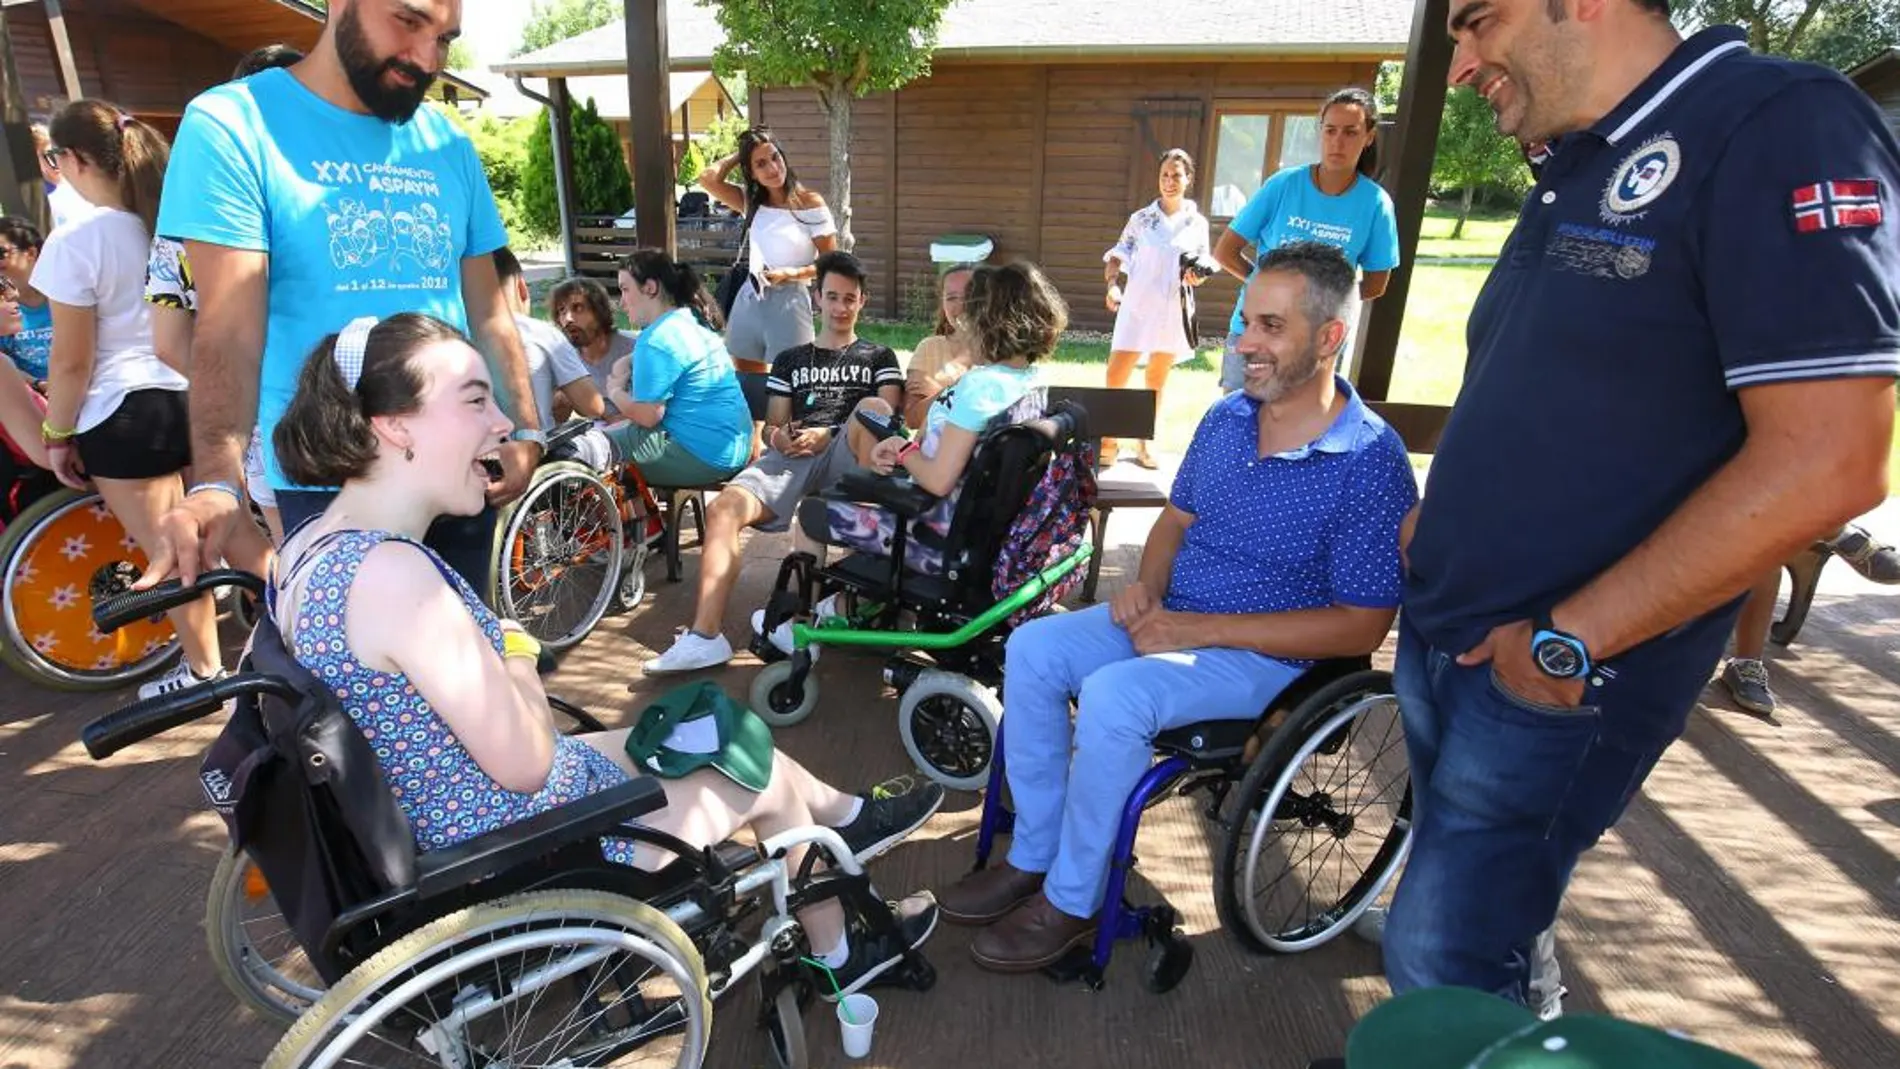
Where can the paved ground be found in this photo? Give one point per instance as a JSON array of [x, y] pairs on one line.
[[1749, 898]]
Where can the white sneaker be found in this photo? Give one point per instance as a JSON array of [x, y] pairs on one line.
[[782, 634], [180, 677], [1371, 925], [690, 652]]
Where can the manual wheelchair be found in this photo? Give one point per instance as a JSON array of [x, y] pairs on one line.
[[948, 705], [521, 946], [1313, 805]]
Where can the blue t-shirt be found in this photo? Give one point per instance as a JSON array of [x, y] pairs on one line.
[[33, 345], [1731, 224], [679, 363], [971, 402], [359, 216], [1305, 529], [1289, 208]]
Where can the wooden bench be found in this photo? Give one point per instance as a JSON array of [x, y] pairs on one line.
[[1115, 414], [708, 242]]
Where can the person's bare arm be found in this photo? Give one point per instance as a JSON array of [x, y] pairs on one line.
[[778, 418], [713, 181], [1143, 596], [584, 397], [227, 353], [1315, 634], [939, 474], [1230, 252], [20, 414], [69, 366], [648, 414], [171, 337], [1373, 285], [403, 617], [492, 326], [1815, 458]]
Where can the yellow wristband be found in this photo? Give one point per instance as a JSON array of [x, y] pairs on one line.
[[50, 433], [519, 644]]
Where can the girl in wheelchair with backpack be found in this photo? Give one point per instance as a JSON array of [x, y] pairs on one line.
[[400, 414]]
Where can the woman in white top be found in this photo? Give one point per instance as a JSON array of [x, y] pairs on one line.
[[115, 413], [1150, 320], [787, 228]]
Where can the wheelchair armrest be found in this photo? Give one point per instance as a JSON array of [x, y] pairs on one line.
[[899, 494], [566, 433], [509, 847]]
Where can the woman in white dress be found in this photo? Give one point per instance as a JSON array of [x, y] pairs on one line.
[[1150, 329]]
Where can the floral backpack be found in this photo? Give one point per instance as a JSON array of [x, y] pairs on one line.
[[1053, 523]]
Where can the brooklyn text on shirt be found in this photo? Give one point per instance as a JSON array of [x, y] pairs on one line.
[[1643, 176], [834, 375], [1332, 233]]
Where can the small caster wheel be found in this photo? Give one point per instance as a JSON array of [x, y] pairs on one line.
[[779, 701], [785, 1029], [947, 722], [1168, 961], [632, 588]]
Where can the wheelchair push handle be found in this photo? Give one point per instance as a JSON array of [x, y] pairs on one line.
[[154, 716], [111, 613]]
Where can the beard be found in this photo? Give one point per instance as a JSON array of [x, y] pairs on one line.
[[1290, 376], [393, 104]]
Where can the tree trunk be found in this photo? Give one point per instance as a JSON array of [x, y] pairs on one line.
[[836, 100], [1464, 211]]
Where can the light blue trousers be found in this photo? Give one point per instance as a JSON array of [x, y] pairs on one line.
[[1069, 779]]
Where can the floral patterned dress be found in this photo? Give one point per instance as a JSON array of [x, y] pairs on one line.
[[442, 791]]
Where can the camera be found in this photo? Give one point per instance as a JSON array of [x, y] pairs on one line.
[[1201, 267]]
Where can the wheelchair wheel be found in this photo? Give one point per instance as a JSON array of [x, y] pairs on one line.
[[785, 1030], [777, 700], [558, 555], [253, 949], [1321, 821], [569, 978], [948, 724], [58, 554]]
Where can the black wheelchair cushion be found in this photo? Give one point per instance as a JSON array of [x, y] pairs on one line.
[[1207, 740], [900, 495]]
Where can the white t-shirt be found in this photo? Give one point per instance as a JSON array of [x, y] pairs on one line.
[[98, 261], [66, 204], [784, 237], [552, 363]]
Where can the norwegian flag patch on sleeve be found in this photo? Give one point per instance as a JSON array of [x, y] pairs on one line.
[[1837, 205]]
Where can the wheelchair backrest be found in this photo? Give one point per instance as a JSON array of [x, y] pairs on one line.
[[301, 793], [1009, 460]]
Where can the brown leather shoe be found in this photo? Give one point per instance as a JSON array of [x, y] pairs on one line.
[[987, 894], [1034, 935]]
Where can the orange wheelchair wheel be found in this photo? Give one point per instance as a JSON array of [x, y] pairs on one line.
[[558, 554], [50, 556]]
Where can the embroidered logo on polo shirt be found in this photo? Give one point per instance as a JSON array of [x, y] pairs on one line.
[[1643, 176], [1840, 204]]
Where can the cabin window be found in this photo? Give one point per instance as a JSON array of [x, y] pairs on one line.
[[1252, 143]]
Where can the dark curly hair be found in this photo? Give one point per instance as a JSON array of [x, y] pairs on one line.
[[1013, 311], [598, 300], [325, 438]]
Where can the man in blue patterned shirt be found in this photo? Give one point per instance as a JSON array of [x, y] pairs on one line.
[[1279, 546]]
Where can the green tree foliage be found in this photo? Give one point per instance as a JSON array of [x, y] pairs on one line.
[[722, 136], [502, 145], [601, 183], [692, 161], [460, 57], [1472, 155], [1838, 33], [558, 20], [841, 49]]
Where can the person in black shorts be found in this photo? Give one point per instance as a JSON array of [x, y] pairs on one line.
[[811, 442]]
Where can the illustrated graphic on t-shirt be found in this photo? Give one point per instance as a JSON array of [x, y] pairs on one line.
[[362, 236], [824, 385]]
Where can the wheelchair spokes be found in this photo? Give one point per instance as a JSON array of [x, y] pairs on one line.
[[561, 554], [1339, 825], [252, 947]]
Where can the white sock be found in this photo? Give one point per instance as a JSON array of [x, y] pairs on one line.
[[857, 807], [838, 955]]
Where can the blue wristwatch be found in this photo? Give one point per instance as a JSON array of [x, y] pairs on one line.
[[1558, 654]]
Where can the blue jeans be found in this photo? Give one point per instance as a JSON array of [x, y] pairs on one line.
[[1069, 780], [1506, 796]]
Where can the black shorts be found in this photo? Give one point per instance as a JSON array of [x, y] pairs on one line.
[[145, 437]]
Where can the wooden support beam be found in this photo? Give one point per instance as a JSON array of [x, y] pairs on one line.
[[22, 191], [560, 119], [648, 97], [1413, 143], [63, 51]]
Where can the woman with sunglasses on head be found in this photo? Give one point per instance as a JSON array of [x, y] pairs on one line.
[[115, 413], [1155, 252], [787, 228], [401, 415]]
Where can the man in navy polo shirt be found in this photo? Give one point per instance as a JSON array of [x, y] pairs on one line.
[[1279, 546], [1680, 372]]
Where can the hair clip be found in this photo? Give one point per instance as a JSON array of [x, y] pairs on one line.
[[350, 345], [124, 121]]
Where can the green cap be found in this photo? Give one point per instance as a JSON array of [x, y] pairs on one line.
[[697, 726], [1459, 1028]]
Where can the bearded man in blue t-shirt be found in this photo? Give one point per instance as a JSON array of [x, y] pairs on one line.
[[307, 197]]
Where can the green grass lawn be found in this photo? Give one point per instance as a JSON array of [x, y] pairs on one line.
[[1484, 232]]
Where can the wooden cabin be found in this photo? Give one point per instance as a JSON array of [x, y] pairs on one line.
[[1040, 124], [1880, 78]]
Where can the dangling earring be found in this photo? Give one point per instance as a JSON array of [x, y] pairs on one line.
[[408, 453]]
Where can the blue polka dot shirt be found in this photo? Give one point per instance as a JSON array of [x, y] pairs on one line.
[[1305, 529]]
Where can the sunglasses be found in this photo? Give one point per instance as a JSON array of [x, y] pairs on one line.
[[51, 156]]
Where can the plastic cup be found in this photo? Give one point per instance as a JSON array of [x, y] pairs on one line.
[[857, 1016]]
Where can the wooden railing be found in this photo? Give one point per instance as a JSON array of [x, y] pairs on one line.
[[709, 243]]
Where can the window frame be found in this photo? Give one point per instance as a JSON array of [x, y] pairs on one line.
[[1277, 114]]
